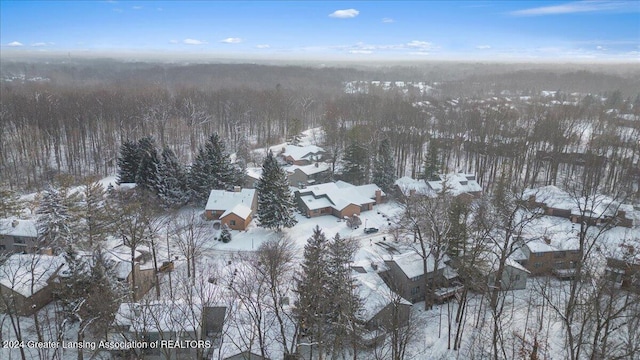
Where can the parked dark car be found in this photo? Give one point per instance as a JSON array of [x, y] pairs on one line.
[[370, 230]]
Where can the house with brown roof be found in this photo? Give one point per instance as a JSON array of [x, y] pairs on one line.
[[27, 282], [234, 209]]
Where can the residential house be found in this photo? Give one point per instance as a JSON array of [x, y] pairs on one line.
[[381, 308], [251, 177], [339, 199], [624, 272], [406, 276], [305, 175], [301, 155], [18, 236], [542, 258], [596, 210], [409, 187], [458, 184], [27, 282], [170, 322], [514, 276], [119, 258], [234, 209]]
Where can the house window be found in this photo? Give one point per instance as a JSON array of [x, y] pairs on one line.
[[232, 222], [559, 264], [537, 265], [517, 277], [539, 254], [415, 290], [18, 240], [559, 254]]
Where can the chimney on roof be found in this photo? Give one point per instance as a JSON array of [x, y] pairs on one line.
[[378, 196], [237, 189], [532, 199], [547, 240], [412, 192], [621, 214], [15, 223], [317, 165], [374, 266]]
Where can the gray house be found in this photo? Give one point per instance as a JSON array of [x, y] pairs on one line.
[[514, 276], [18, 236], [406, 276]]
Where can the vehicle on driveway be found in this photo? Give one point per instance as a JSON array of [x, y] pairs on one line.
[[370, 230]]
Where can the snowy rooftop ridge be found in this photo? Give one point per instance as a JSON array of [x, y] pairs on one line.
[[18, 227], [376, 295], [338, 195], [228, 201], [411, 263], [308, 169], [302, 152], [408, 185], [26, 274], [458, 183]]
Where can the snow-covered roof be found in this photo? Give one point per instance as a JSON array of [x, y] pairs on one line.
[[308, 152], [539, 246], [17, 227], [375, 294], [408, 185], [458, 183], [156, 316], [411, 263], [309, 169], [254, 172], [336, 195], [492, 263], [27, 274], [241, 210], [228, 200]]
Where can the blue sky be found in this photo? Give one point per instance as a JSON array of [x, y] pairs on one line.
[[356, 30]]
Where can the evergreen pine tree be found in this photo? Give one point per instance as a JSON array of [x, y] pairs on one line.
[[93, 217], [225, 235], [147, 174], [345, 301], [172, 180], [128, 162], [431, 163], [275, 202], [313, 303], [212, 170], [53, 221], [384, 172], [355, 164]]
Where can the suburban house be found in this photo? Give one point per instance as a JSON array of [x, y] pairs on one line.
[[542, 258], [514, 276], [234, 209], [173, 321], [18, 236], [408, 186], [596, 210], [624, 273], [27, 282], [301, 155], [405, 275], [459, 184], [251, 177], [339, 199], [246, 355], [119, 258], [305, 175], [381, 308]]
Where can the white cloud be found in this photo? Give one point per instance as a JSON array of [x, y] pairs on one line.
[[581, 7], [136, 7], [39, 44], [483, 47], [362, 52], [263, 46], [231, 40], [344, 14], [416, 44], [193, 42], [388, 20], [173, 41], [15, 44]]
